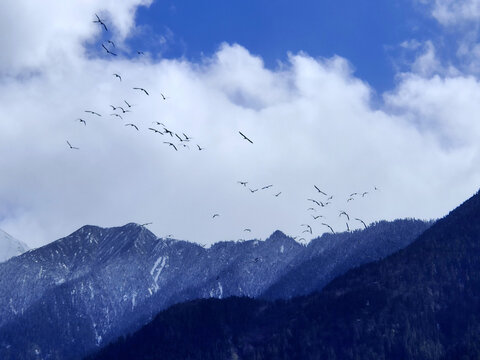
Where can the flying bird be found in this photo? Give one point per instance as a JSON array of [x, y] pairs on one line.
[[350, 199], [309, 228], [215, 215], [320, 191], [178, 137], [123, 110], [140, 53], [344, 213], [125, 101], [348, 227], [108, 51], [353, 194], [92, 112], [141, 89], [312, 209], [278, 194], [72, 147], [365, 225], [171, 144], [247, 230], [244, 183], [113, 107], [365, 193], [117, 116], [329, 227], [111, 42], [318, 216], [168, 131], [246, 138], [200, 148], [319, 203], [155, 130], [252, 191], [257, 259], [163, 96], [148, 223], [82, 121], [186, 137], [118, 76], [158, 123], [100, 22], [132, 125], [266, 187]]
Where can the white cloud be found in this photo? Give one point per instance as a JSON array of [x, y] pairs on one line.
[[311, 121], [454, 12]]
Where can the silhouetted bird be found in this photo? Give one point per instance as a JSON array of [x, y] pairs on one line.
[[140, 53], [155, 130], [100, 22], [246, 138], [200, 148], [111, 42], [320, 191], [247, 230], [344, 213], [171, 144], [117, 116], [278, 194], [72, 147], [215, 215], [365, 225], [132, 125], [146, 224], [118, 76], [318, 216], [244, 183], [82, 121], [329, 227], [125, 101], [141, 89], [348, 227], [92, 112], [266, 187], [108, 51], [252, 191]]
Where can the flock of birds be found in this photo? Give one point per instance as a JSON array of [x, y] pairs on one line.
[[181, 140]]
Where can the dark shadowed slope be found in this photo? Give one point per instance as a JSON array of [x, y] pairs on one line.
[[423, 302]]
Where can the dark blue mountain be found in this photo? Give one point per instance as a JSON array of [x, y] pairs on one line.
[[76, 294], [423, 302]]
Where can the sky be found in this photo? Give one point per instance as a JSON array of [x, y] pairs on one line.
[[379, 98]]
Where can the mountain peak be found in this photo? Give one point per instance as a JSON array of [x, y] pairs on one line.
[[277, 235], [10, 247]]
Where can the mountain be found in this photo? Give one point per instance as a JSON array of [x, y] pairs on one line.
[[76, 294], [10, 247], [423, 302]]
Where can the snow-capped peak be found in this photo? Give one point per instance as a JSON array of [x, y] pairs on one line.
[[10, 247]]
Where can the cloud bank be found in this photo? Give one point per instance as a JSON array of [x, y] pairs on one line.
[[311, 120]]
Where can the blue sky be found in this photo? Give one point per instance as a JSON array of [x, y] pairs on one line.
[[367, 33]]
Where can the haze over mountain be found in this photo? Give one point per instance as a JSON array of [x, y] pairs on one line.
[[78, 293], [10, 247], [423, 302]]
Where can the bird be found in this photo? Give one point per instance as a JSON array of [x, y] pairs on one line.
[[148, 223], [72, 147], [308, 226], [330, 197], [108, 51], [100, 22], [132, 125], [344, 213], [171, 144], [320, 191], [257, 259], [140, 53], [364, 193], [278, 194], [118, 76], [244, 183], [155, 130], [178, 137], [376, 189], [266, 187], [200, 148], [164, 97], [348, 227], [92, 112], [123, 110], [125, 101], [117, 116], [215, 215], [168, 131], [353, 194], [302, 239], [350, 199], [252, 191], [141, 89], [111, 42], [329, 227], [187, 138], [312, 209], [361, 222], [249, 230], [158, 123], [319, 203], [82, 121], [246, 138], [317, 216], [113, 107]]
